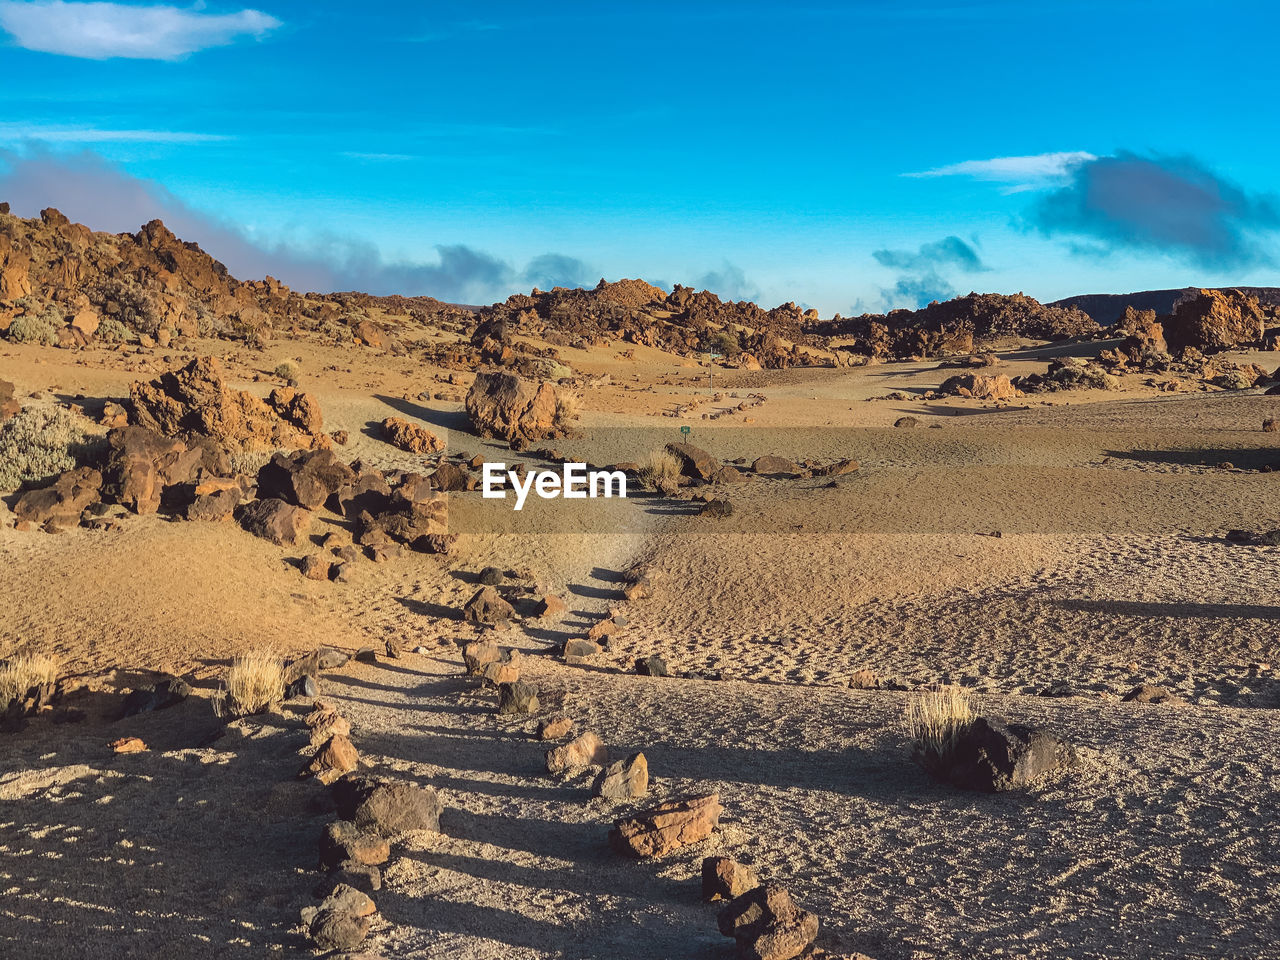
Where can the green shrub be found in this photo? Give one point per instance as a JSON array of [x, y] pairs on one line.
[[288, 370], [39, 442], [111, 330], [36, 329]]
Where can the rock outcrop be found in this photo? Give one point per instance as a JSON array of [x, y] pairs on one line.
[[508, 407]]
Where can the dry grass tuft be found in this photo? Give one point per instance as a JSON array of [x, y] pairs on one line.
[[254, 682], [661, 469], [935, 719], [568, 407], [288, 370], [20, 673]]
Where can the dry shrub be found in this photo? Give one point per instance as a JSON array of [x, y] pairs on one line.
[[660, 469], [254, 682], [935, 720], [568, 407], [288, 370], [20, 673], [39, 442]]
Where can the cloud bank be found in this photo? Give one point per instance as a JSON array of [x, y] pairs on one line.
[[1166, 205], [1016, 173], [100, 31], [92, 191], [922, 281]]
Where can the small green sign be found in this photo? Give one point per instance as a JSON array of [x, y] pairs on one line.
[[686, 430]]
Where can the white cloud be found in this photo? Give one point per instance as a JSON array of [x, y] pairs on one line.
[[99, 31], [1016, 173], [52, 133]]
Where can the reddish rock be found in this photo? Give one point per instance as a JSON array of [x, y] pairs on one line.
[[275, 520], [726, 879], [980, 387], [336, 757], [410, 437], [60, 504], [487, 606], [624, 779], [343, 840], [767, 924], [506, 406], [316, 566], [554, 728], [667, 827], [305, 478], [694, 461], [1213, 320], [586, 750]]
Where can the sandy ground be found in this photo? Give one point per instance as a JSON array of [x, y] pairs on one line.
[[1110, 569]]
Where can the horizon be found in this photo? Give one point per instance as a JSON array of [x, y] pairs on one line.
[[431, 153]]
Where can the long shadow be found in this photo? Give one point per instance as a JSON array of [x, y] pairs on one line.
[[1176, 611], [1247, 458], [456, 421], [154, 869], [428, 609], [594, 593]]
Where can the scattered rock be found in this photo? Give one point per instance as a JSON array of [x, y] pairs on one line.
[[410, 437], [770, 466], [336, 757], [906, 423], [128, 745], [767, 924], [652, 666], [343, 841], [160, 696], [726, 879], [1149, 693], [337, 930], [272, 519], [389, 808], [992, 756], [362, 876], [586, 750], [667, 827], [304, 478], [554, 728], [717, 509], [487, 606], [61, 503], [579, 649], [506, 406], [477, 656], [491, 577], [694, 462], [517, 698], [864, 679], [302, 687], [980, 387], [550, 607], [623, 779], [316, 566]]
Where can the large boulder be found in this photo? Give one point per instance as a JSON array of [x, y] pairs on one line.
[[667, 827], [506, 406], [694, 461], [196, 401], [410, 437], [1213, 320], [142, 463], [487, 606], [61, 503]]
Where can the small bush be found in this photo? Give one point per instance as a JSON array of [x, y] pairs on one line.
[[41, 329], [287, 370], [254, 682], [568, 406], [660, 469], [112, 330], [724, 342], [20, 673], [39, 442], [934, 722]]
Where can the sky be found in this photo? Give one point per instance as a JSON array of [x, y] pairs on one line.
[[852, 156]]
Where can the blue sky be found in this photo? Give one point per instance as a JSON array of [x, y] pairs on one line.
[[838, 155]]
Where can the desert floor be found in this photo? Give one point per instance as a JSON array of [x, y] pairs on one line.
[[1050, 554]]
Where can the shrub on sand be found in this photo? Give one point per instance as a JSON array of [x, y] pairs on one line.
[[568, 405], [254, 682], [935, 720], [288, 370], [37, 443], [20, 673], [661, 469]]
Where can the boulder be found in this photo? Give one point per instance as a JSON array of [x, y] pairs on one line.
[[1149, 693], [767, 924], [586, 750], [506, 406], [993, 756], [477, 656], [770, 466], [492, 576], [694, 462], [652, 666], [667, 827], [550, 607], [487, 606], [980, 387], [337, 757], [389, 808], [1213, 320], [214, 507], [159, 696], [410, 437], [726, 879], [368, 493], [61, 503], [716, 509], [623, 779], [196, 400], [579, 649], [304, 478], [141, 463], [272, 519], [838, 469], [316, 566]]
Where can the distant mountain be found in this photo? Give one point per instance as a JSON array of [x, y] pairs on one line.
[[1107, 308]]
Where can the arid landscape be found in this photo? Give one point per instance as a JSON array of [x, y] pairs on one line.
[[950, 632]]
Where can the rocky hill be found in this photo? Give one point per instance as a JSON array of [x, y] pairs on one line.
[[956, 326], [1107, 308]]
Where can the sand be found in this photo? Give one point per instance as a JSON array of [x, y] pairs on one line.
[[1110, 569]]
